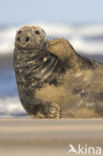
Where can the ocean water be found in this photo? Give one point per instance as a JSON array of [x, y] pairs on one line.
[[86, 39]]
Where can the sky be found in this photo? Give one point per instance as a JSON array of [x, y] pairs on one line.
[[74, 11]]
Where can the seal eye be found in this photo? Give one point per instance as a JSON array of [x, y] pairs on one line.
[[27, 39], [37, 32], [20, 32]]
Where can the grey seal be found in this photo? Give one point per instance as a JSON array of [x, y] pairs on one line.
[[53, 80]]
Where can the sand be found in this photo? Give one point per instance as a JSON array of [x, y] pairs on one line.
[[47, 137]]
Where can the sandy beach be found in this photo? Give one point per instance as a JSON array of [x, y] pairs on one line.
[[48, 137]]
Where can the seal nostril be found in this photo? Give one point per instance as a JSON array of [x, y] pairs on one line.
[[18, 39], [27, 39]]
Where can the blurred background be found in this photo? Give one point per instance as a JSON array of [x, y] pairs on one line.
[[80, 22]]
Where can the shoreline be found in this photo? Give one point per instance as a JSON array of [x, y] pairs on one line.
[[6, 61]]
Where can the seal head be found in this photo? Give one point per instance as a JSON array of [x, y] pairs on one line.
[[30, 37]]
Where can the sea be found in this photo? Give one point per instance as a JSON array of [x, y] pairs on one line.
[[87, 40]]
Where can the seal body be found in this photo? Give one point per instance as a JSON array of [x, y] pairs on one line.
[[53, 80]]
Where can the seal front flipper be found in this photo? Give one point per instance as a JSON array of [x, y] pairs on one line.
[[63, 50], [46, 110]]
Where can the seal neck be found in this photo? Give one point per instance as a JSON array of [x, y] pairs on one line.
[[33, 69]]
